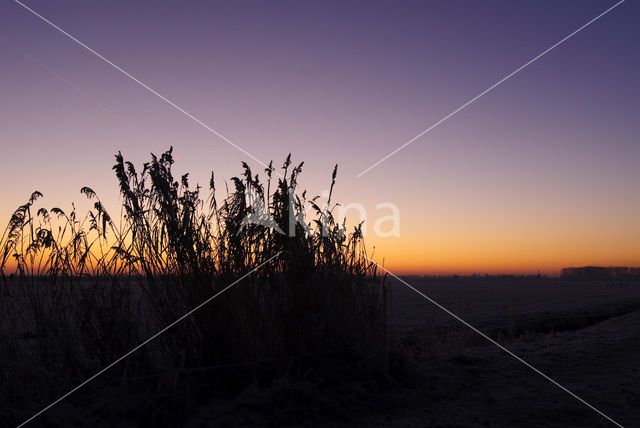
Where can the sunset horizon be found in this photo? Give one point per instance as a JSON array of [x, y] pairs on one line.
[[518, 181], [320, 213]]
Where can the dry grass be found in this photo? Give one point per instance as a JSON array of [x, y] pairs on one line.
[[86, 289]]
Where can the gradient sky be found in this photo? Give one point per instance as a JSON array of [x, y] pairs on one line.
[[540, 173]]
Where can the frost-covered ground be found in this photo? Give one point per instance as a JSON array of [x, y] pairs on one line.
[[496, 300], [584, 335], [483, 386], [473, 383]]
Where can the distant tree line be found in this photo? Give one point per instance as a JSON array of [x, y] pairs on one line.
[[598, 272]]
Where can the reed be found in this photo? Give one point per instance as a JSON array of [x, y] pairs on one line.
[[86, 289]]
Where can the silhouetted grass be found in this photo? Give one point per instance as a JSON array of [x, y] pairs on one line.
[[89, 288]]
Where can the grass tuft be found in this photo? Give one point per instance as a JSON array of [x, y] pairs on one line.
[[78, 292]]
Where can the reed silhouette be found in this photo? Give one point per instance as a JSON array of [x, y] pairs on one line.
[[86, 289]]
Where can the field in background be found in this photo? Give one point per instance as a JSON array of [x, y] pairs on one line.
[[508, 301]]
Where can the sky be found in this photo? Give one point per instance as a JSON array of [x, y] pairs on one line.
[[539, 173]]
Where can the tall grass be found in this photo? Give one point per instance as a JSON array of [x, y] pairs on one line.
[[86, 289]]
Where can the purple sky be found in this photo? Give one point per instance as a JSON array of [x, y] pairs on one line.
[[541, 172]]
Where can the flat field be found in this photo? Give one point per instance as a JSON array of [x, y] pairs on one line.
[[584, 335]]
